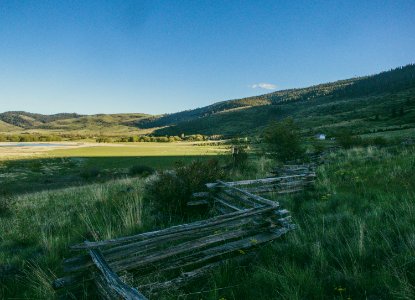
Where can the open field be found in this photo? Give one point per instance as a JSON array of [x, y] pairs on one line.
[[68, 149], [24, 169]]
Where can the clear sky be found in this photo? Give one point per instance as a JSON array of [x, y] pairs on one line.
[[166, 56]]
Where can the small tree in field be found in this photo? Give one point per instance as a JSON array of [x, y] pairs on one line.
[[283, 138]]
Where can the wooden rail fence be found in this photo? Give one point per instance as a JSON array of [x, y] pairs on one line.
[[171, 258]]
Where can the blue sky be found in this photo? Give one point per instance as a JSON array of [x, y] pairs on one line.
[[166, 56]]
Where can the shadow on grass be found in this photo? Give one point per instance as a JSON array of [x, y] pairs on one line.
[[32, 175]]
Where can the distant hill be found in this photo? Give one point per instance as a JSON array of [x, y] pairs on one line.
[[385, 101], [101, 124], [321, 107], [26, 120]]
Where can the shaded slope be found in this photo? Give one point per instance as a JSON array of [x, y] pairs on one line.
[[327, 105]]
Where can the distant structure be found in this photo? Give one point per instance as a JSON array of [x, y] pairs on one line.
[[321, 136]]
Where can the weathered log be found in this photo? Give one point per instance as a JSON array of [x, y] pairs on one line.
[[252, 196], [173, 229], [200, 195], [112, 280], [191, 246], [227, 204], [197, 202], [186, 278], [275, 190], [219, 252], [79, 263], [260, 181], [243, 198]]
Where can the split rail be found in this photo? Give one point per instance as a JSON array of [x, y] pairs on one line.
[[145, 264]]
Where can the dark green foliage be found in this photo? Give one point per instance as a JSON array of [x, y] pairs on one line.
[[379, 141], [24, 138], [141, 170], [284, 140], [4, 207], [347, 140], [171, 190], [239, 156], [90, 173], [319, 146], [103, 139]]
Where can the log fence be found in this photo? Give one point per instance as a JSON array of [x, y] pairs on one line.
[[145, 264]]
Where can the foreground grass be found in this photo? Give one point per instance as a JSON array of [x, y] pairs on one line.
[[38, 228], [355, 236]]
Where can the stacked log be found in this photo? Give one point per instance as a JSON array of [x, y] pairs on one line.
[[172, 257]]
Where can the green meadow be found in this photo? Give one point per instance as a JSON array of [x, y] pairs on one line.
[[58, 168], [140, 149]]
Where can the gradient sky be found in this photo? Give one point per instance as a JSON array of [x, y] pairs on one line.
[[166, 56]]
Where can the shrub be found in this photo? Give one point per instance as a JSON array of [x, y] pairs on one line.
[[347, 140], [103, 139], [239, 156], [4, 205], [141, 170], [90, 173], [283, 138], [171, 191], [379, 141], [319, 146]]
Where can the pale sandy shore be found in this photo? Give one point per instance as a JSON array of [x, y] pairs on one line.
[[11, 150]]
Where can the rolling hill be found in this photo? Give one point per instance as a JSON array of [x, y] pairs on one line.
[[376, 103]]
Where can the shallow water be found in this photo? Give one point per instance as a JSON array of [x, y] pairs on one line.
[[31, 145]]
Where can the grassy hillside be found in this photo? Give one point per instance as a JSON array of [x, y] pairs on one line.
[[365, 114], [112, 124], [6, 127], [380, 102], [26, 120]]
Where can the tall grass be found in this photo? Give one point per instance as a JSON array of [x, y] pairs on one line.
[[39, 227], [355, 236]]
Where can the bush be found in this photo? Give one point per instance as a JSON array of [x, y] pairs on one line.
[[283, 138], [239, 156], [90, 173], [319, 146], [347, 140], [103, 139], [379, 141], [171, 191], [141, 170], [4, 206]]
